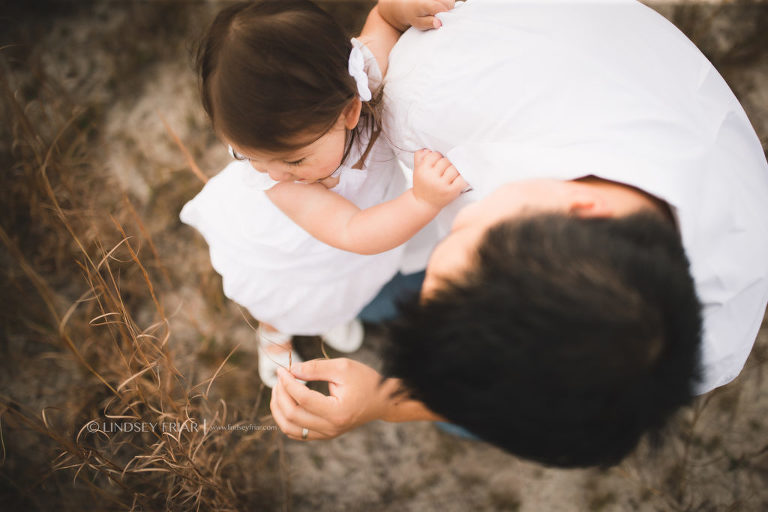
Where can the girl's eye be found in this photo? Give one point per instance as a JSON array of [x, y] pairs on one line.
[[297, 162]]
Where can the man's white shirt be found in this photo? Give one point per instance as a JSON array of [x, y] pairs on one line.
[[511, 90]]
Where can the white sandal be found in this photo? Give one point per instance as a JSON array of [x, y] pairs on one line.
[[270, 361], [346, 337]]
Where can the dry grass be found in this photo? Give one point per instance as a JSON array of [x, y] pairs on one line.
[[82, 291]]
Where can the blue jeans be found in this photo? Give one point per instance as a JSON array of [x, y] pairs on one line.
[[383, 308]]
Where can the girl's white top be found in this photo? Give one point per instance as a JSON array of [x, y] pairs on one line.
[[273, 267]]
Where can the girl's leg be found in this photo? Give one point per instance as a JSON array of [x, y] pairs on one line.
[[272, 340], [275, 350]]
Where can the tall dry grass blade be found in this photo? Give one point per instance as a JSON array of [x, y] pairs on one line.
[[33, 139], [322, 349], [245, 317], [187, 155], [144, 272], [101, 295], [38, 282], [2, 439], [216, 373], [52, 195], [47, 297], [33, 424], [148, 238], [134, 376], [71, 309], [109, 255], [286, 480]]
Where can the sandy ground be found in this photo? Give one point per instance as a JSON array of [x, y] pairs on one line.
[[129, 66]]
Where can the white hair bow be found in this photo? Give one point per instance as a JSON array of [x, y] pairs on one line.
[[357, 71]]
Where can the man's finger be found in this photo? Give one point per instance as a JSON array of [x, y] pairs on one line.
[[311, 400], [288, 428], [330, 370], [278, 416], [295, 414]]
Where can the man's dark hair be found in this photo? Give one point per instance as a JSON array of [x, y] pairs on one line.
[[564, 342]]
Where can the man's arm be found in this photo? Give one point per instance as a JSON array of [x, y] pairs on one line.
[[410, 410]]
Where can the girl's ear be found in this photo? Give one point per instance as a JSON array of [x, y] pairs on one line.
[[351, 113]]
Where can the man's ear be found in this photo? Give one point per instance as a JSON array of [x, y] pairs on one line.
[[351, 113], [587, 204]]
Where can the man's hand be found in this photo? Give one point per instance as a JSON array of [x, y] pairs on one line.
[[435, 180], [402, 14], [355, 398]]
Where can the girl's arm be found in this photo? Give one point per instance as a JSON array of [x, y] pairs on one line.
[[390, 18], [379, 36], [334, 220]]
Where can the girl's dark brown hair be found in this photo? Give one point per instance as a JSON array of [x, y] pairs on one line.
[[274, 72]]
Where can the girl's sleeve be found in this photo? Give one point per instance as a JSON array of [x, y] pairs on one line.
[[371, 67]]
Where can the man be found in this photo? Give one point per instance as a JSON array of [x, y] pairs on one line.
[[559, 317]]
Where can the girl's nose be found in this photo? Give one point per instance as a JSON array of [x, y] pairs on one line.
[[279, 175], [274, 174]]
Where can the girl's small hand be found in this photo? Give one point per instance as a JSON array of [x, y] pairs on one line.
[[435, 180], [417, 13]]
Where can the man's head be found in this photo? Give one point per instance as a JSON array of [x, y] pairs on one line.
[[560, 333]]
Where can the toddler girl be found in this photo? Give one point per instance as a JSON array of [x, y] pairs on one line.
[[308, 222]]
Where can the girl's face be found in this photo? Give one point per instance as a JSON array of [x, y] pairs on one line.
[[308, 164]]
